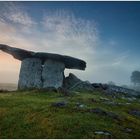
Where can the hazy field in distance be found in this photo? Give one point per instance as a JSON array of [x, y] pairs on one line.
[[8, 86]]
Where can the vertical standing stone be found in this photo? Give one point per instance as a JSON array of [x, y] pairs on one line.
[[53, 74], [30, 73]]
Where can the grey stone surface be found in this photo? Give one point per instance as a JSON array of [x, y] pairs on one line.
[[103, 133], [53, 74], [59, 104], [135, 112], [80, 105], [73, 83], [84, 86], [128, 130], [121, 91], [71, 80], [100, 86], [17, 53], [30, 74], [34, 75], [105, 113], [21, 54], [104, 99]]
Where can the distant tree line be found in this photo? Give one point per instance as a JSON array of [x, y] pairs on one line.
[[135, 77]]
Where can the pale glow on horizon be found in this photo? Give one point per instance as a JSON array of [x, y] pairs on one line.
[[9, 68]]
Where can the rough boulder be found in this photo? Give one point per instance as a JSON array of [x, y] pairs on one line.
[[73, 83]]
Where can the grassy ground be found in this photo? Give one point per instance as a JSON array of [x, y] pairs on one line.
[[30, 114]]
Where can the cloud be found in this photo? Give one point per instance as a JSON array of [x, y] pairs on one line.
[[66, 25], [13, 12], [121, 58]]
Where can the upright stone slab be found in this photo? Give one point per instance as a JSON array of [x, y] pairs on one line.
[[53, 74], [30, 74]]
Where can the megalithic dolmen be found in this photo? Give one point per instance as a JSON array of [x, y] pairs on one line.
[[42, 70]]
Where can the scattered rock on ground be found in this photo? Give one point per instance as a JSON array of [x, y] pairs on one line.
[[105, 113], [104, 99], [127, 103], [113, 115], [131, 99], [79, 105], [103, 133], [128, 130], [116, 103], [59, 104], [135, 112], [121, 91], [111, 103], [93, 100], [100, 86], [98, 111], [114, 90]]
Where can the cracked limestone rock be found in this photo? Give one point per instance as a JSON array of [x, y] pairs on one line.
[[53, 74], [30, 74]]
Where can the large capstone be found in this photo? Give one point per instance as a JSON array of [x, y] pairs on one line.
[[30, 74], [21, 54], [53, 74]]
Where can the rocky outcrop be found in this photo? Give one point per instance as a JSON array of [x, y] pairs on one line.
[[30, 74], [70, 81], [73, 83], [53, 74], [134, 112], [117, 90], [100, 86]]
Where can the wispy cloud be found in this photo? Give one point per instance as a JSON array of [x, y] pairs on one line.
[[121, 58], [65, 31], [67, 25], [13, 12]]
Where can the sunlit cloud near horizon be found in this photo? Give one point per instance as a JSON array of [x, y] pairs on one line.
[[61, 31]]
